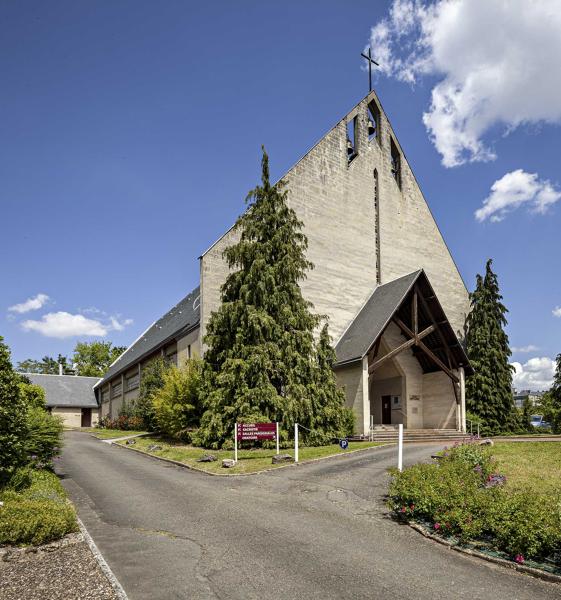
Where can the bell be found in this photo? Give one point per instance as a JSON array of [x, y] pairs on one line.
[[371, 128], [350, 149]]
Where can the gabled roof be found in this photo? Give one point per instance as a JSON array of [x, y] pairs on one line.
[[66, 390], [393, 301], [181, 319], [372, 318]]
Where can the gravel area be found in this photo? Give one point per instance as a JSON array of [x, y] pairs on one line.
[[64, 570]]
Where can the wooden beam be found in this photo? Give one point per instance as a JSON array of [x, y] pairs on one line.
[[438, 362], [403, 326], [415, 315], [412, 342], [391, 354]]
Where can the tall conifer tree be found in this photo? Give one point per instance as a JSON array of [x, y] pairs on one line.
[[489, 389], [261, 362]]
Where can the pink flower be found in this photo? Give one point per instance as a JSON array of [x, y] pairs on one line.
[[403, 509], [437, 526], [519, 558]]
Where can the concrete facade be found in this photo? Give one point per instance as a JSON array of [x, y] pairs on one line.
[[72, 416], [366, 225]]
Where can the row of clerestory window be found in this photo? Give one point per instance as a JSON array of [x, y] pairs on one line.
[[374, 133]]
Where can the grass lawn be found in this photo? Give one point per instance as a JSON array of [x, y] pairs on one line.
[[530, 465], [249, 461], [107, 434]]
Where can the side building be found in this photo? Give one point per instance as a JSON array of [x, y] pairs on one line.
[[70, 397], [174, 337]]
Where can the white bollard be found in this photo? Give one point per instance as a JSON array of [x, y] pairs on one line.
[[295, 442], [400, 447], [236, 442], [277, 437]]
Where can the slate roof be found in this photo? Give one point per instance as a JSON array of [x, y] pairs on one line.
[[373, 318], [394, 299], [66, 390], [183, 317]]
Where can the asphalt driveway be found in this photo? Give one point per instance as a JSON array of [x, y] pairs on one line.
[[313, 531]]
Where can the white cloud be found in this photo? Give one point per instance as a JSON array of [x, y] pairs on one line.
[[64, 325], [525, 349], [556, 311], [495, 63], [515, 189], [535, 374], [30, 304]]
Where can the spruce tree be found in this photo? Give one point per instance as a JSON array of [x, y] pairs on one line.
[[552, 399], [13, 418], [489, 389], [261, 361]]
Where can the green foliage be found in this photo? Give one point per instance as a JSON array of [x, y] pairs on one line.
[[551, 401], [457, 497], [123, 422], [13, 418], [489, 389], [33, 395], [177, 405], [44, 439], [261, 361], [151, 381], [35, 509], [47, 365], [92, 359]]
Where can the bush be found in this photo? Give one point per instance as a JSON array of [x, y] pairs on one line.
[[151, 381], [122, 422], [32, 395], [461, 496], [177, 408], [13, 418], [44, 439], [35, 509]]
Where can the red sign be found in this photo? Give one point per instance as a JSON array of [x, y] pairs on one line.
[[257, 431]]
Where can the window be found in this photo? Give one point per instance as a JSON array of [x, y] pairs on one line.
[[189, 351], [377, 225], [116, 389], [171, 359], [374, 132], [396, 163], [105, 395], [351, 140], [132, 382]]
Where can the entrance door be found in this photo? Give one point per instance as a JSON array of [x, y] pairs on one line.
[[86, 417], [386, 410]]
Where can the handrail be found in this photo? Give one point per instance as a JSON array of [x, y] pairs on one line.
[[471, 424]]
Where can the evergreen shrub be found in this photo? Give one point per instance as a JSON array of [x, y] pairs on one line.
[[35, 509]]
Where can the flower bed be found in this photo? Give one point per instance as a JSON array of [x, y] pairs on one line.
[[464, 498]]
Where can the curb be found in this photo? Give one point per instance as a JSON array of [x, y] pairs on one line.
[[117, 439], [298, 464], [550, 577], [121, 594]]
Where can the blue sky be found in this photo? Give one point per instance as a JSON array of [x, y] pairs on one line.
[[131, 132]]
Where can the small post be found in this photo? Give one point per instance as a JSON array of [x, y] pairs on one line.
[[295, 442], [400, 448], [236, 443], [277, 436]]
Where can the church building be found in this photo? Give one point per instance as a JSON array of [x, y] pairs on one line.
[[383, 275]]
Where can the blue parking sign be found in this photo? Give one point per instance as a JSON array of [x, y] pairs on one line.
[[344, 443]]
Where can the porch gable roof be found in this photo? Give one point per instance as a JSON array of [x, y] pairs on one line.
[[388, 302]]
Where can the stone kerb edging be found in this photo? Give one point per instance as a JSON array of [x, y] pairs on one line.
[[551, 577], [298, 464]]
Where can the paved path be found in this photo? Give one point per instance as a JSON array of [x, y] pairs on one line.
[[316, 531]]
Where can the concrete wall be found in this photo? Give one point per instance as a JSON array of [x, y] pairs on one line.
[[439, 402], [351, 379], [192, 340], [72, 416], [335, 200], [392, 386]]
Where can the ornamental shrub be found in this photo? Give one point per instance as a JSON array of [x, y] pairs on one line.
[[151, 381], [35, 509], [33, 395], [177, 407], [13, 418], [44, 439]]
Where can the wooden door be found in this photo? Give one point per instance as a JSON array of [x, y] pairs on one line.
[[386, 410], [86, 417]]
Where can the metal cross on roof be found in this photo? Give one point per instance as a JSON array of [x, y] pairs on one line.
[[370, 62]]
